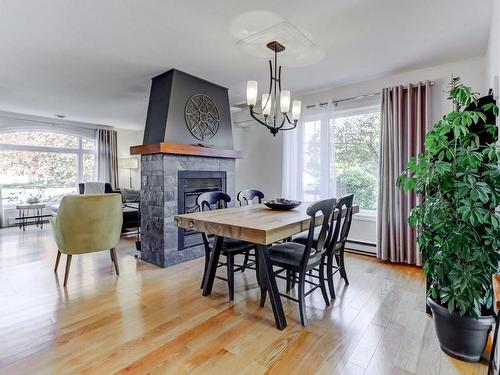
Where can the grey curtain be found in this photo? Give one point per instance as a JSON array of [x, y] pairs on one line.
[[405, 117], [107, 157]]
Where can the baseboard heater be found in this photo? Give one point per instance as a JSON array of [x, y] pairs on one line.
[[360, 247]]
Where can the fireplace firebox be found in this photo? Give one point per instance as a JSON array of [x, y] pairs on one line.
[[190, 185]]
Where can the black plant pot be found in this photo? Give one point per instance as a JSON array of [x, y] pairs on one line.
[[460, 336]]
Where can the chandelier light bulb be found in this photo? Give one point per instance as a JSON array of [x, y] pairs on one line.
[[266, 104], [251, 93], [285, 101], [296, 109]]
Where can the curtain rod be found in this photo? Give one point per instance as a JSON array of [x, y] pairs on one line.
[[361, 96]]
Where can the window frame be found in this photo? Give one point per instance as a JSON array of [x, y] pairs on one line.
[[79, 151]]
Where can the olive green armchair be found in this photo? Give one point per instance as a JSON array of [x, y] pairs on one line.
[[87, 224]]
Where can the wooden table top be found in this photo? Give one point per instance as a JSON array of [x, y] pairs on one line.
[[255, 223]]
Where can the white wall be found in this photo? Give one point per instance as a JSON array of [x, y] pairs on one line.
[[493, 54], [125, 139], [260, 167]]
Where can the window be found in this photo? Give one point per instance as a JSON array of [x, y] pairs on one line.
[[338, 154], [43, 164], [354, 140]]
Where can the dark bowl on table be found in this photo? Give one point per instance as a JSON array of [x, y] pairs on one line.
[[281, 204]]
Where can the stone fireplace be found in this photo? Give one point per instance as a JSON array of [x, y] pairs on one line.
[[160, 238], [188, 149]]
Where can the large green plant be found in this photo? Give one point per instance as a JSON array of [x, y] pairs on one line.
[[458, 227]]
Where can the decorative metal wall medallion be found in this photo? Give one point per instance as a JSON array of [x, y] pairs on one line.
[[202, 116]]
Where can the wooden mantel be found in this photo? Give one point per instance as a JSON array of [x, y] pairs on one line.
[[178, 149]]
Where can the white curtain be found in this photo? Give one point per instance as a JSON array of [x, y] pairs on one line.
[[292, 176], [315, 115]]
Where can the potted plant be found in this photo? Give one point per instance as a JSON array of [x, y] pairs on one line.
[[457, 179]]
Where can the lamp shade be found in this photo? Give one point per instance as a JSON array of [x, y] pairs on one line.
[[129, 163], [251, 93], [296, 109], [266, 104], [285, 101]]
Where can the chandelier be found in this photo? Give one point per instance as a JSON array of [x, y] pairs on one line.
[[273, 117]]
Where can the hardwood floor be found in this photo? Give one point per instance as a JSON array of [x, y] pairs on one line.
[[152, 320]]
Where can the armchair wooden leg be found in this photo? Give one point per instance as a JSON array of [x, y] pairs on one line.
[[57, 260], [66, 273], [114, 259]]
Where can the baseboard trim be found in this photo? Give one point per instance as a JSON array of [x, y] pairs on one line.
[[362, 243], [361, 252], [360, 247]]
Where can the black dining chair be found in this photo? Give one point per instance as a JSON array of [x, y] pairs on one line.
[[298, 259], [245, 198], [341, 227], [230, 247]]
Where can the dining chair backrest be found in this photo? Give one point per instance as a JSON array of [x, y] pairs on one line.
[[342, 225], [212, 200], [245, 197], [325, 207]]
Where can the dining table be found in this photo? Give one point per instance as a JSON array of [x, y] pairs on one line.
[[257, 224]]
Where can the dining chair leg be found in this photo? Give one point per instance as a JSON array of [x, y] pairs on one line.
[[342, 267], [288, 280], [230, 275], [294, 279], [114, 259], [57, 260], [245, 262], [208, 282], [66, 272], [322, 282], [329, 275], [302, 304]]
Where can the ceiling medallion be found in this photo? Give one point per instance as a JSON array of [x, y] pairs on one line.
[[202, 117], [270, 112]]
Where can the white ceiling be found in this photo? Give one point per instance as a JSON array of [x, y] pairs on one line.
[[93, 60]]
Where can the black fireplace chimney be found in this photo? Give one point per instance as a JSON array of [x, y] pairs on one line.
[[184, 109]]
